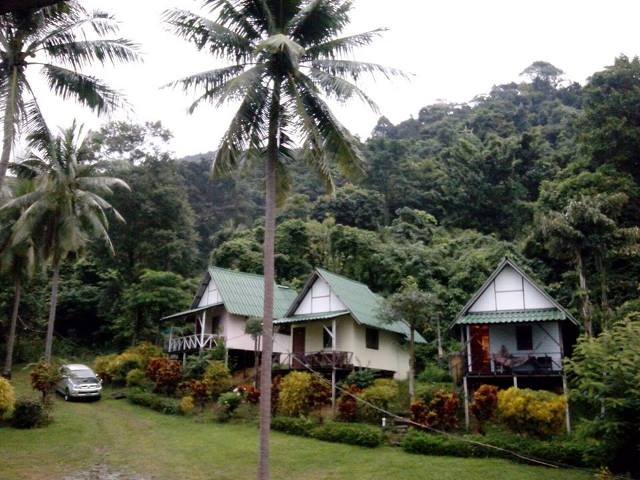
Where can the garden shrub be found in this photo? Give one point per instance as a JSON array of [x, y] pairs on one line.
[[348, 405], [136, 378], [426, 391], [228, 403], [196, 365], [186, 405], [218, 377], [360, 378], [121, 365], [198, 390], [532, 412], [28, 414], [349, 433], [166, 374], [440, 413], [145, 351], [433, 373], [250, 393], [295, 426], [101, 367], [7, 398], [170, 406], [295, 390], [485, 403], [44, 377], [381, 394]]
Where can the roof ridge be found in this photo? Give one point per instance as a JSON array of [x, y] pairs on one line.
[[215, 267]]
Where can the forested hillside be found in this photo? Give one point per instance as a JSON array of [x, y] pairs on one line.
[[544, 170]]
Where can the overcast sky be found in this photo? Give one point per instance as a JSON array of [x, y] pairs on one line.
[[455, 49]]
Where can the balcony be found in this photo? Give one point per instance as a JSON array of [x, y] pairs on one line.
[[321, 360], [520, 364], [191, 343]]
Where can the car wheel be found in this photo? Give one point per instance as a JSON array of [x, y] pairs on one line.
[[67, 397]]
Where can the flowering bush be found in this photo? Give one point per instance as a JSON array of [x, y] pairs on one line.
[[250, 393], [7, 398], [166, 374], [532, 412], [485, 403], [218, 377]]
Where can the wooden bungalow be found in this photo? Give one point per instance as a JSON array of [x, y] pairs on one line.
[[514, 333], [335, 324], [225, 300]]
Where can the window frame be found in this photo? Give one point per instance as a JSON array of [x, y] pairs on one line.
[[372, 338]]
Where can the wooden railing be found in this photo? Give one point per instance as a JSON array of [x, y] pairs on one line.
[[319, 360], [190, 343], [534, 363]]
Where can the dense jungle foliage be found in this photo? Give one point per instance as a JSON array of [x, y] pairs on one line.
[[544, 170]]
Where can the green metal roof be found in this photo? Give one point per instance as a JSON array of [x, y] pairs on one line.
[[363, 304], [303, 317], [512, 316], [243, 293]]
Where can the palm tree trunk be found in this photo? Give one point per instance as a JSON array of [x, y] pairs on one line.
[[412, 364], [584, 293], [269, 281], [11, 340], [439, 338], [55, 280], [9, 128]]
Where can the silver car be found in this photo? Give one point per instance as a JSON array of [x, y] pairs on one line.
[[79, 381]]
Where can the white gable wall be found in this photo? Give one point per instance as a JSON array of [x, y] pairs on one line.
[[510, 291], [320, 298], [211, 295]]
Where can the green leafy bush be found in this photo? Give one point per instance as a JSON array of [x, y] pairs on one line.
[[533, 412], [101, 366], [7, 398], [196, 365], [425, 392], [381, 394], [294, 426], [121, 365], [136, 378], [349, 433], [360, 378], [145, 351], [169, 406], [228, 403], [28, 414], [433, 373], [218, 377], [166, 374]]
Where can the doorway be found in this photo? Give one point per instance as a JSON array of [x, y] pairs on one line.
[[298, 340]]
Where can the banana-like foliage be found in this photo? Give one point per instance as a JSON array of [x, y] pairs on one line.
[[60, 41], [294, 47]]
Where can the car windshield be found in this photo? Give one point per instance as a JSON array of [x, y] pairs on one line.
[[83, 374]]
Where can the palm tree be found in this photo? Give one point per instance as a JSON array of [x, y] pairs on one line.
[[58, 34], [66, 207], [284, 55]]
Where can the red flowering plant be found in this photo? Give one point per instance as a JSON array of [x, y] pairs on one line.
[[166, 374]]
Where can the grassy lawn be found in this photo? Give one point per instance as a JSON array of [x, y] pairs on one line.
[[133, 440]]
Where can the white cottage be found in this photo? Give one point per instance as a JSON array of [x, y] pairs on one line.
[[335, 324], [224, 302], [512, 328]]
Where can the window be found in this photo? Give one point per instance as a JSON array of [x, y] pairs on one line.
[[372, 338], [524, 337], [326, 338]]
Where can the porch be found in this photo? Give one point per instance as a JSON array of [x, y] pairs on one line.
[[323, 360], [196, 342]]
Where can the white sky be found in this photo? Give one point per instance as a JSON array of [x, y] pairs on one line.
[[455, 49]]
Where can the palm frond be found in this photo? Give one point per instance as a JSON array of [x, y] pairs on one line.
[[218, 39], [318, 20], [354, 70], [340, 89], [230, 16], [338, 47], [85, 89], [102, 183], [82, 53]]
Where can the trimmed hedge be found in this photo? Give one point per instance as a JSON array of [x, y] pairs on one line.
[[337, 432], [29, 414], [169, 406], [556, 451], [349, 433]]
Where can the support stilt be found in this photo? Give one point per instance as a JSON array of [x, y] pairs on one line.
[[515, 381], [565, 390], [466, 402]]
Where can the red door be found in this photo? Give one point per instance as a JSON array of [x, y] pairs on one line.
[[480, 362], [298, 347]]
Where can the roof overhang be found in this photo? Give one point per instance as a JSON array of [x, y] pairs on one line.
[[307, 317], [512, 316], [186, 313]]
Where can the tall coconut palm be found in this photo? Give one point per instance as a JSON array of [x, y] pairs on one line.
[[284, 56], [66, 207], [60, 41]]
